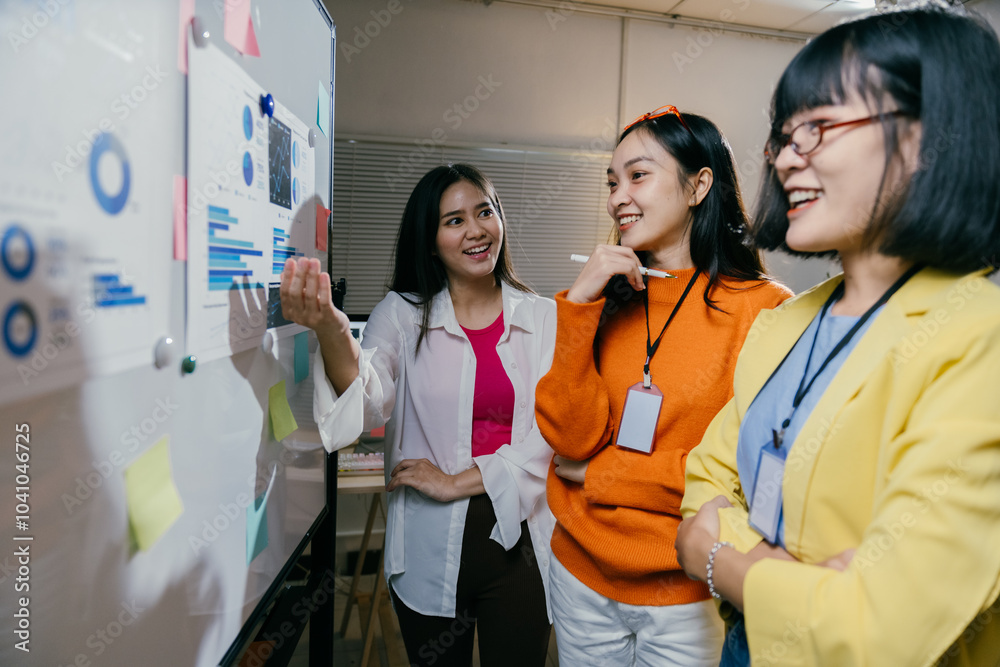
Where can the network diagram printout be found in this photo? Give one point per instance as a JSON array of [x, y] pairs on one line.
[[251, 179], [85, 205]]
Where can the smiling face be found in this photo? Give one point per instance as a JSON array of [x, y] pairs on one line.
[[470, 233], [832, 191], [647, 199]]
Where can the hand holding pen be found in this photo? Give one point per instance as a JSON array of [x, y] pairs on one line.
[[605, 262]]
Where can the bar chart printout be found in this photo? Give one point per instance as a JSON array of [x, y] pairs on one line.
[[250, 206], [227, 253]]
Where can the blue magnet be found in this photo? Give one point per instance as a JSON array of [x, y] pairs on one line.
[[267, 105]]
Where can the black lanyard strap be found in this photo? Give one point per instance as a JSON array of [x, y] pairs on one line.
[[651, 347], [804, 387]]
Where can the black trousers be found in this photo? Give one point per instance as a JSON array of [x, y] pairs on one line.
[[500, 591]]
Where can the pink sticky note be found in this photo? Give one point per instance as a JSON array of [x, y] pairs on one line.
[[322, 216], [251, 48], [238, 27], [180, 218], [186, 14]]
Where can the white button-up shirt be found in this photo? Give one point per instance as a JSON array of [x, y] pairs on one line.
[[426, 403]]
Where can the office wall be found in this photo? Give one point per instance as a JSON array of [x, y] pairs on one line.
[[459, 71]]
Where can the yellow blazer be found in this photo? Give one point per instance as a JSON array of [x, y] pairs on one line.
[[900, 460]]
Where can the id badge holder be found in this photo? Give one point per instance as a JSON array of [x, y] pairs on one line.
[[642, 411], [765, 501]]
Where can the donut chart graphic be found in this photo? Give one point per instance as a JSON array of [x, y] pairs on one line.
[[295, 191], [247, 123], [17, 253], [20, 329], [247, 168], [295, 154], [112, 204]]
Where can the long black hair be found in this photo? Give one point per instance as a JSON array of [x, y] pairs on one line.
[[418, 274], [936, 65], [720, 242]]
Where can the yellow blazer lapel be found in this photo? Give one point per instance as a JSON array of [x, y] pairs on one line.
[[773, 335], [871, 352]]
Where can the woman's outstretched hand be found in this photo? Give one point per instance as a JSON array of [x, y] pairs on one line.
[[605, 262], [306, 298]]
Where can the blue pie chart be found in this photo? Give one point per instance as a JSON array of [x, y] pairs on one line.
[[295, 190], [247, 123], [295, 154], [20, 329], [17, 253], [247, 168], [108, 143]]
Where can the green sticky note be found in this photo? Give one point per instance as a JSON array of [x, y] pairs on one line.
[[323, 109], [151, 496], [282, 419], [257, 526], [301, 356]]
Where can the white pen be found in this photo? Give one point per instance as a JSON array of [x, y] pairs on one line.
[[656, 273]]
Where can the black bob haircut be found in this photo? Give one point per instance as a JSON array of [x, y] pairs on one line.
[[937, 65], [720, 243], [418, 274]]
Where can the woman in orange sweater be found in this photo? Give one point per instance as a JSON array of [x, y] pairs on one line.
[[640, 369]]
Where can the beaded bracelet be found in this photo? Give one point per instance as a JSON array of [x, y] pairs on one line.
[[711, 567]]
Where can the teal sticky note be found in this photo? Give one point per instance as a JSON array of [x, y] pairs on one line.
[[301, 356], [323, 109], [257, 522]]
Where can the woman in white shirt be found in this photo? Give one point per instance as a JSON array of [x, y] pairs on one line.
[[449, 363]]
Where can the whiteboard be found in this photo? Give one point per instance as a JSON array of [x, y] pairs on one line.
[[94, 144]]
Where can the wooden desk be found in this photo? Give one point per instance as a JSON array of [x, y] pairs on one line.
[[373, 483]]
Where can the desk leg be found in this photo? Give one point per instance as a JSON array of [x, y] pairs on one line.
[[373, 612], [365, 539]]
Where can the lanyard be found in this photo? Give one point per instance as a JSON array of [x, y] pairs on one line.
[[652, 347], [779, 436]]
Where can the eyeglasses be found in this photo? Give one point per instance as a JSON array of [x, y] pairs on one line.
[[656, 113], [806, 137]]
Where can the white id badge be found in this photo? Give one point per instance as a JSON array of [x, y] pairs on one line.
[[642, 410], [765, 503]]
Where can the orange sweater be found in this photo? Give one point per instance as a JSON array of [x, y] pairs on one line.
[[616, 531]]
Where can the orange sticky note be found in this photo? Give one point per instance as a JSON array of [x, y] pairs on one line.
[[186, 14], [180, 218], [322, 218]]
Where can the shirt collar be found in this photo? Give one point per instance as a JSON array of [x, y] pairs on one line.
[[516, 312]]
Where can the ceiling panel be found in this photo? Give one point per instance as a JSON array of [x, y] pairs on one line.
[[801, 16]]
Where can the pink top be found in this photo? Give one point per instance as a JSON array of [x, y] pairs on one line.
[[493, 405]]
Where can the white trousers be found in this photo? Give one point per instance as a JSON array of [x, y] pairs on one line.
[[595, 631]]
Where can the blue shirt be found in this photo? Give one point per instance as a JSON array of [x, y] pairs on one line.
[[773, 403]]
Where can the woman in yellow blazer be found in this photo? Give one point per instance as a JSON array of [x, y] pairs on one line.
[[847, 499]]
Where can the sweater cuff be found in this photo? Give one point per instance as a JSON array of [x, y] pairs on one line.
[[576, 322]]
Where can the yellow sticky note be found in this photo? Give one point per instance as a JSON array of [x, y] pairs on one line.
[[282, 419], [153, 501]]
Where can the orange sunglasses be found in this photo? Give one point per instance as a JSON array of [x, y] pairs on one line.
[[662, 111]]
